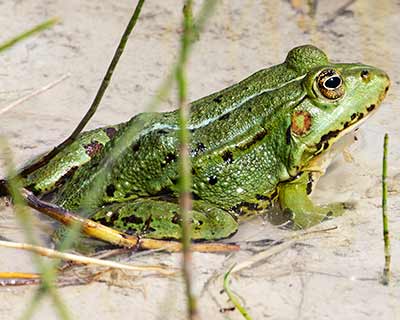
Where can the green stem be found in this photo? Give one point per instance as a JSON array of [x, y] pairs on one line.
[[48, 273], [386, 238], [185, 182], [185, 185], [40, 27], [100, 93], [233, 297]]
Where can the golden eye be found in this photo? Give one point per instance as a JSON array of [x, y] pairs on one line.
[[330, 84]]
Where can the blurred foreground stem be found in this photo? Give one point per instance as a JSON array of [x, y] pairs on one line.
[[40, 27], [190, 33], [47, 270], [185, 182]]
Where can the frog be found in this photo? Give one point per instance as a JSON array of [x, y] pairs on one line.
[[257, 147]]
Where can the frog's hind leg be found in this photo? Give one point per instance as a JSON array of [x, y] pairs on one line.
[[160, 219], [294, 200], [119, 238]]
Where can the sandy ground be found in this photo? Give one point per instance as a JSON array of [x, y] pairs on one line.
[[332, 276]]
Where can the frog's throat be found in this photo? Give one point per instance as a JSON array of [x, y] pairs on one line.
[[331, 137]]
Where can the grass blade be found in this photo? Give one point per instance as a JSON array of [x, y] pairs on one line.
[[232, 296], [40, 27], [47, 270]]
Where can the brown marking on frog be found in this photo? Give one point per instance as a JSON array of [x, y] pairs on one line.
[[93, 148], [212, 180], [218, 99], [227, 156], [261, 197], [257, 137], [200, 147], [301, 123], [371, 107], [245, 207], [365, 76], [309, 183], [225, 117], [323, 144], [110, 132], [170, 157], [110, 190], [66, 176]]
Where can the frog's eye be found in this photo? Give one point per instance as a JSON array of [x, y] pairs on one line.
[[330, 84]]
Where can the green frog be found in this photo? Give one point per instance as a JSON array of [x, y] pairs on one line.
[[258, 146]]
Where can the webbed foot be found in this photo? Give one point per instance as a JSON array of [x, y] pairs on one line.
[[297, 207]]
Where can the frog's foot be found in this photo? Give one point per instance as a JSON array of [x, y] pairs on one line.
[[336, 209], [311, 215], [297, 207]]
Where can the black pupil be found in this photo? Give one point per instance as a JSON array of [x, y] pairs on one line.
[[333, 82]]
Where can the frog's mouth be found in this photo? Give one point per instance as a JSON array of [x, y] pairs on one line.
[[353, 124]]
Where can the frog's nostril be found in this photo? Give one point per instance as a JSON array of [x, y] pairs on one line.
[[364, 74]]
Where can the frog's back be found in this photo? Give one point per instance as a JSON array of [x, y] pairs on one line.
[[228, 127], [298, 62]]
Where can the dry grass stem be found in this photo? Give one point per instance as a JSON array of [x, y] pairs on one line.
[[34, 93], [54, 254], [19, 275], [299, 236]]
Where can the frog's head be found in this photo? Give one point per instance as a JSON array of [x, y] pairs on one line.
[[338, 98]]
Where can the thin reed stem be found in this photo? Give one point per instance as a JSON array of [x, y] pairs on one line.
[[99, 95], [386, 236]]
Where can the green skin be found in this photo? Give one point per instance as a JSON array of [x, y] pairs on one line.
[[255, 147]]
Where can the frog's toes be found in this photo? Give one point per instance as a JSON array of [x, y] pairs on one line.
[[337, 208]]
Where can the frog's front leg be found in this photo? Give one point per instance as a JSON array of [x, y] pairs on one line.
[[294, 199], [158, 218]]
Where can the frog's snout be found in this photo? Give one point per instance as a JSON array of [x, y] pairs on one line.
[[385, 80], [376, 81], [379, 76]]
